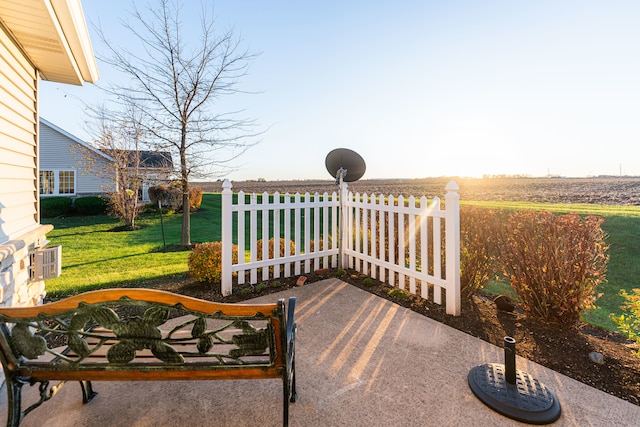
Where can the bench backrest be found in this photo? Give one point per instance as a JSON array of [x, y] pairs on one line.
[[142, 330]]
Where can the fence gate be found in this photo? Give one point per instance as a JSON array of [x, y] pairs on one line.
[[414, 245]]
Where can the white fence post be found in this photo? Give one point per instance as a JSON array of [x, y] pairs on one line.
[[227, 239], [452, 200]]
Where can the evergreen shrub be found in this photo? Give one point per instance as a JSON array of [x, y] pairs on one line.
[[51, 207], [91, 205]]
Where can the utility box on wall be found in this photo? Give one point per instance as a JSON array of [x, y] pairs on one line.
[[46, 263]]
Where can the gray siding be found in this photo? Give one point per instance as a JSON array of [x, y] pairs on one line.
[[59, 150], [18, 145]]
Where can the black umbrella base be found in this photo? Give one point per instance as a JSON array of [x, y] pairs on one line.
[[527, 400]]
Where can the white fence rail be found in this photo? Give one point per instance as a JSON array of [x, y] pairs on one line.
[[415, 246]]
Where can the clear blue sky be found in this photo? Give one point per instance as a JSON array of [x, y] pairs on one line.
[[420, 88]]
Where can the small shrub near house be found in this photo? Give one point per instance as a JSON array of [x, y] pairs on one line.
[[51, 207], [171, 196], [554, 263], [91, 205], [195, 198], [158, 193], [205, 262]]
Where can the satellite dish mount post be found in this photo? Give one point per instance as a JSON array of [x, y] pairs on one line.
[[345, 166], [342, 172]]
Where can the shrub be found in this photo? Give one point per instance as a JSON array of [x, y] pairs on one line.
[[51, 207], [205, 262], [340, 272], [123, 204], [629, 324], [479, 247], [398, 293], [367, 282], [91, 205], [271, 245], [261, 287], [158, 193], [195, 197], [276, 284], [172, 196], [554, 263]]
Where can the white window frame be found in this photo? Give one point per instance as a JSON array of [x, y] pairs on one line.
[[56, 182]]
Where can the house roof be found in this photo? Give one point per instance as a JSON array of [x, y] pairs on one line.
[[54, 36], [148, 159], [153, 159]]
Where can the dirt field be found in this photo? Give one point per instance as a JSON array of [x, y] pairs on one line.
[[624, 191]]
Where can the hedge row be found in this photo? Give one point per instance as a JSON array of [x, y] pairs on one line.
[[51, 207]]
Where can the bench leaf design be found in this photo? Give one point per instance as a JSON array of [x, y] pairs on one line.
[[26, 344], [92, 326]]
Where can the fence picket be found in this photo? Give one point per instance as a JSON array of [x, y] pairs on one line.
[[391, 239], [424, 246], [401, 247], [253, 237], [287, 233], [265, 233], [437, 253], [296, 233], [241, 236], [325, 230], [276, 234], [381, 237], [412, 244]]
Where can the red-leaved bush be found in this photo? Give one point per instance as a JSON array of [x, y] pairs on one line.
[[479, 247], [554, 262]]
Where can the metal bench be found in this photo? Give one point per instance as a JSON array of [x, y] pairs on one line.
[[143, 335]]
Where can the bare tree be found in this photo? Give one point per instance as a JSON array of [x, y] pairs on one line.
[[176, 85], [118, 135]]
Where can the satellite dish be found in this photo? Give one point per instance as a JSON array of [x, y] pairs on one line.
[[345, 165]]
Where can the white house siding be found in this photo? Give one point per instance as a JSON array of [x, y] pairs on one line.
[[62, 151], [20, 230]]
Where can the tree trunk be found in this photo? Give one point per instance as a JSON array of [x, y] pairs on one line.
[[185, 235]]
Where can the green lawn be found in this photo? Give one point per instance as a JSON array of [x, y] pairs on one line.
[[95, 258]]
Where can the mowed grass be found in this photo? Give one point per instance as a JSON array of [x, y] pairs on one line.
[[94, 257]]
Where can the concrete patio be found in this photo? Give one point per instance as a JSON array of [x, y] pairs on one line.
[[361, 361]]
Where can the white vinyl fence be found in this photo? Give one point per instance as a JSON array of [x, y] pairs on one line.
[[414, 245]]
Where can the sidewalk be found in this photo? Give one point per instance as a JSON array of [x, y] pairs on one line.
[[361, 361]]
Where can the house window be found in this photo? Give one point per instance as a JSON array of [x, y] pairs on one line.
[[66, 182], [55, 182], [47, 182]]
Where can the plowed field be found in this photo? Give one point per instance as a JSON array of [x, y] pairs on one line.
[[624, 191]]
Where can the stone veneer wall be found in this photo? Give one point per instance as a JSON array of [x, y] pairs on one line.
[[15, 288]]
